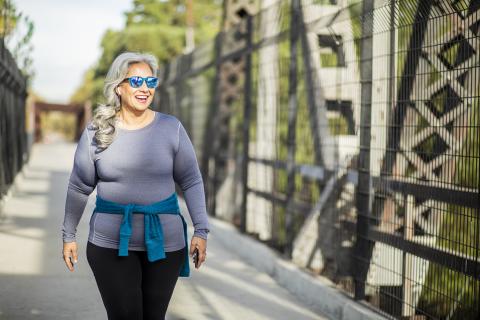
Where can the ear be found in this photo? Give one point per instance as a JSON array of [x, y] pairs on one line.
[[117, 90]]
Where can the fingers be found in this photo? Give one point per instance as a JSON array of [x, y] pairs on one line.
[[192, 248], [201, 244], [70, 255], [198, 242], [195, 243], [75, 256], [68, 262], [202, 257]]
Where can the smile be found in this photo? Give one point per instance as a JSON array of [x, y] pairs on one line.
[[141, 98]]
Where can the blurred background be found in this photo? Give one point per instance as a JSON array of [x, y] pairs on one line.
[[341, 134], [65, 48]]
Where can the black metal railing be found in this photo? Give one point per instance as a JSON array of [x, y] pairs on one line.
[[347, 138], [13, 137]]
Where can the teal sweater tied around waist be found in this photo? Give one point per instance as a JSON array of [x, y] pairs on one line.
[[153, 227]]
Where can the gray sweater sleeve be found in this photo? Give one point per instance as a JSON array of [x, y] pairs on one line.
[[186, 174], [82, 182]]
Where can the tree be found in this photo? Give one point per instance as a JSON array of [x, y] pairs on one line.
[[16, 30], [154, 26]]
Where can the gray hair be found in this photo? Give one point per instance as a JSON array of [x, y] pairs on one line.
[[104, 119]]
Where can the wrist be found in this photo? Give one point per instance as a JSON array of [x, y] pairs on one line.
[[201, 233]]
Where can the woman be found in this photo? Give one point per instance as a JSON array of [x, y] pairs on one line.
[[137, 244]]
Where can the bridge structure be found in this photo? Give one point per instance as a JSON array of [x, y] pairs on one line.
[[339, 137], [81, 112]]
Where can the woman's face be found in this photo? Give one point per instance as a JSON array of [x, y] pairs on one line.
[[136, 98]]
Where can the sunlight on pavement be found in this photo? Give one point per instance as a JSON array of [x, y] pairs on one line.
[[22, 235], [229, 288], [248, 289], [36, 285]]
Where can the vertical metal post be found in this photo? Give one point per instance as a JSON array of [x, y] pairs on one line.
[[210, 141], [178, 89], [363, 196], [189, 83], [392, 88], [2, 130], [162, 102], [397, 113], [292, 121], [246, 121], [408, 305]]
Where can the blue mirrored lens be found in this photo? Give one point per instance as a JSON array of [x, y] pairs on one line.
[[152, 82], [136, 82]]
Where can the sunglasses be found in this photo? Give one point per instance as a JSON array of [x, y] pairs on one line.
[[137, 82]]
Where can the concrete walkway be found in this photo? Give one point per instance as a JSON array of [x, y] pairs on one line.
[[35, 284]]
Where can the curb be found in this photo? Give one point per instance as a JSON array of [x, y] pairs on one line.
[[319, 293]]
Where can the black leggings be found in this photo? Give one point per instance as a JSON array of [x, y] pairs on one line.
[[132, 287]]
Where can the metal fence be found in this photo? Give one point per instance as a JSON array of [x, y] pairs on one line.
[[346, 135], [13, 137]]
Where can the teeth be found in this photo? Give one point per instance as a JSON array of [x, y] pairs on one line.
[[143, 98]]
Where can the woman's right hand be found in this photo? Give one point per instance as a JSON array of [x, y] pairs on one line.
[[70, 254]]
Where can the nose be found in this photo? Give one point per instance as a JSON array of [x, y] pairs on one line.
[[144, 87]]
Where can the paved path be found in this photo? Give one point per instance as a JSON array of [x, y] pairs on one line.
[[35, 284]]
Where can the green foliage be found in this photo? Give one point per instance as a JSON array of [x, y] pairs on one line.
[[305, 191], [328, 60], [459, 233], [17, 30], [338, 126], [57, 122], [468, 165], [153, 26], [91, 88], [9, 18]]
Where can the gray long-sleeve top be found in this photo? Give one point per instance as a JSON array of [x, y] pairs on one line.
[[141, 166]]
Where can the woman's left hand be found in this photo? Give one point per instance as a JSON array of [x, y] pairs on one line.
[[201, 244]]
